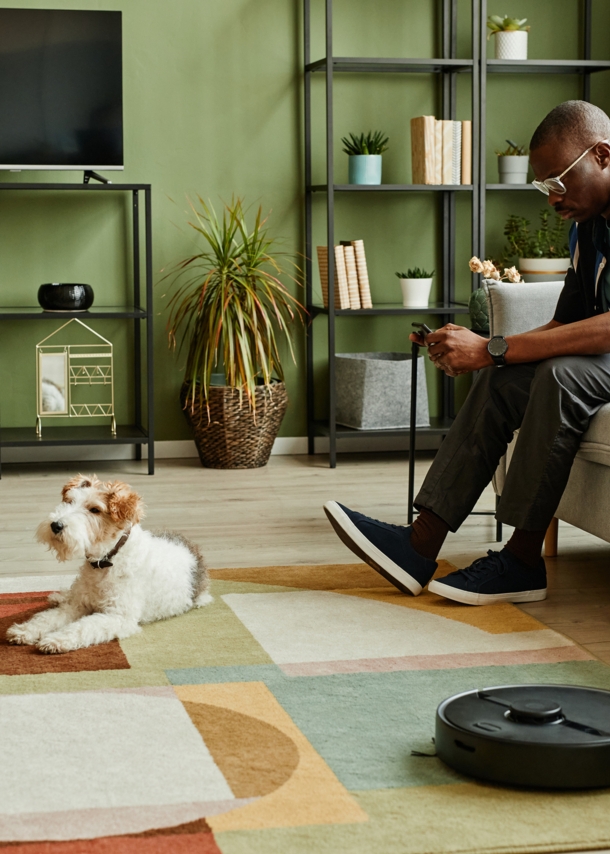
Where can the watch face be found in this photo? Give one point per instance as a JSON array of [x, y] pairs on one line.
[[497, 346]]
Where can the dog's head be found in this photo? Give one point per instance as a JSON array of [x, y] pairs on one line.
[[91, 516]]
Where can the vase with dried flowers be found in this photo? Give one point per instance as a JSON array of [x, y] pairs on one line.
[[477, 304]]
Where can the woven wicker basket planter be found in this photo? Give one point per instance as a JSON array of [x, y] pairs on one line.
[[232, 438]]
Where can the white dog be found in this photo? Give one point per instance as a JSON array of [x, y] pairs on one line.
[[129, 576]]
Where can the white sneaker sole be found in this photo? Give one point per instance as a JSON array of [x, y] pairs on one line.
[[468, 598], [349, 534]]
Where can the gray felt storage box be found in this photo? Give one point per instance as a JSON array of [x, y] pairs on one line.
[[374, 390]]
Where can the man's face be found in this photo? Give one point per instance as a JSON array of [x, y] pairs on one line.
[[587, 184]]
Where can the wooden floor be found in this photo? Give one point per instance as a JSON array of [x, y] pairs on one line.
[[274, 516]]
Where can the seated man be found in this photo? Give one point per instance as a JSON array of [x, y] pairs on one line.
[[548, 382]]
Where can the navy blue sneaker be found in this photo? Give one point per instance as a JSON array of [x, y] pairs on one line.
[[387, 548], [499, 577]]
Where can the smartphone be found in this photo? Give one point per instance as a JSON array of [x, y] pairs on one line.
[[422, 329]]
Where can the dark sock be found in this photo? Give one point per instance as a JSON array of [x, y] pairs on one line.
[[429, 532], [526, 546]]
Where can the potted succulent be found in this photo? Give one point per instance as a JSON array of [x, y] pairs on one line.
[[477, 304], [511, 36], [364, 164], [416, 285], [543, 253], [228, 311], [513, 164]]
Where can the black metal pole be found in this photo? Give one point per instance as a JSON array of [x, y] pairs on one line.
[[308, 228], [412, 430], [137, 324], [330, 238], [482, 166], [475, 102], [150, 405], [588, 23]]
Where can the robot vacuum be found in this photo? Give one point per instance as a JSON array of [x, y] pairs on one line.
[[546, 736]]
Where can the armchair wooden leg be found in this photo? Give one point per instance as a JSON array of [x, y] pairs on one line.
[[550, 538]]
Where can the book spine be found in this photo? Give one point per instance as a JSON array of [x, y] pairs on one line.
[[341, 279], [447, 136], [438, 152], [467, 152], [430, 149], [422, 149], [352, 275], [363, 274], [418, 169], [456, 163], [323, 265]]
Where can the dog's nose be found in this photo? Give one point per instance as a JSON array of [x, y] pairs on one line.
[[56, 527]]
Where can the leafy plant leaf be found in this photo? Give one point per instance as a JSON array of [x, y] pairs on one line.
[[230, 307]]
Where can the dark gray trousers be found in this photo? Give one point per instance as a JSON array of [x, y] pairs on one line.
[[552, 403]]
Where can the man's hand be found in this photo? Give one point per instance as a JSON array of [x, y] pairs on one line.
[[455, 349]]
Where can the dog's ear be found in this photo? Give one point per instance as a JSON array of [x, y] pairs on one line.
[[79, 481], [124, 505]]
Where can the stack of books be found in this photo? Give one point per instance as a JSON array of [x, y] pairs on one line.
[[441, 151], [352, 289]]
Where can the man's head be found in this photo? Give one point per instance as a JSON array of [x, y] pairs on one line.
[[558, 141]]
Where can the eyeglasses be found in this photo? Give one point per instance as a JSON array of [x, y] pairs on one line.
[[556, 185]]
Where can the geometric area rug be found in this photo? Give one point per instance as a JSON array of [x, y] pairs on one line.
[[293, 714]]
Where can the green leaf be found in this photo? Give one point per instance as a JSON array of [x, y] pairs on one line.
[[230, 308]]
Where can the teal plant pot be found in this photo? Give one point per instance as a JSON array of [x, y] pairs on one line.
[[477, 308], [364, 169]]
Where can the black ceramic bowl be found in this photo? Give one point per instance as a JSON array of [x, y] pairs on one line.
[[57, 296]]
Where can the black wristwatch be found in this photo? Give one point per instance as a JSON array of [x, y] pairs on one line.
[[497, 348]]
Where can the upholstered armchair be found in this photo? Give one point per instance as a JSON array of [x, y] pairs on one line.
[[515, 308]]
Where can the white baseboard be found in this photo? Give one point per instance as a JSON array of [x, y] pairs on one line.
[[185, 448]]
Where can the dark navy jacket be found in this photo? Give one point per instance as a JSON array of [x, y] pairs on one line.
[[581, 296]]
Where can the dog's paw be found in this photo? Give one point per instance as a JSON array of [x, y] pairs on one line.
[[58, 598], [56, 643], [20, 633], [203, 599]]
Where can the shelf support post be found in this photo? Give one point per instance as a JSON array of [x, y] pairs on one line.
[[587, 26], [150, 413], [479, 165], [330, 238], [137, 329], [308, 227]]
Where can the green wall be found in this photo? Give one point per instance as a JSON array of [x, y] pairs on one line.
[[213, 106]]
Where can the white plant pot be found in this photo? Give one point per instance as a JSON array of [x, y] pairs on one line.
[[511, 44], [513, 169], [415, 292], [543, 269], [544, 265]]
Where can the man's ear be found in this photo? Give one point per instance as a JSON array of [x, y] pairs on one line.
[[602, 154], [79, 481], [124, 505]]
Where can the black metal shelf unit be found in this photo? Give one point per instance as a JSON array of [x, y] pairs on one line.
[[584, 67], [140, 311], [447, 68]]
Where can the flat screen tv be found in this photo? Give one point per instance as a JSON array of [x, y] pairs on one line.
[[61, 99]]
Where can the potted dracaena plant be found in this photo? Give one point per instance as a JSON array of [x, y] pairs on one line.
[[513, 163], [416, 285], [364, 164], [543, 253], [510, 35], [228, 311]]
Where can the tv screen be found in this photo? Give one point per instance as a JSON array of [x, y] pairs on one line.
[[61, 98]]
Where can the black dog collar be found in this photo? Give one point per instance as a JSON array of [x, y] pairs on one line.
[[105, 562]]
